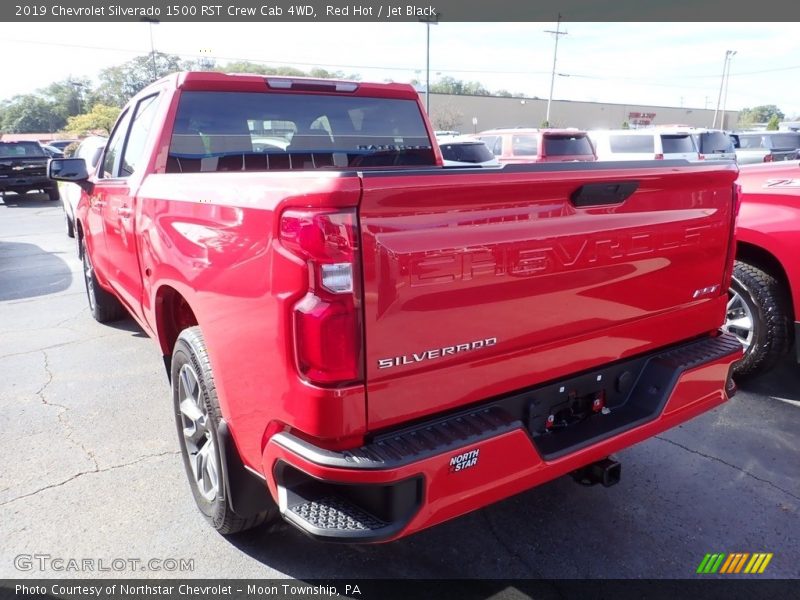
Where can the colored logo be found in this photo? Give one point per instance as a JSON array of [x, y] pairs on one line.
[[738, 562]]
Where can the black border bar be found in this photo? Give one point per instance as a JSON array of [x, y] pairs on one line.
[[245, 11]]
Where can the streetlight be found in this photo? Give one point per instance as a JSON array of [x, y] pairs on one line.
[[152, 46], [432, 20], [557, 33], [725, 95], [728, 55]]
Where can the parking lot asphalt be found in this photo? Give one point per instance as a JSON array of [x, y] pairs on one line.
[[91, 467]]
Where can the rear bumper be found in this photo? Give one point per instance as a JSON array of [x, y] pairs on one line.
[[420, 476]]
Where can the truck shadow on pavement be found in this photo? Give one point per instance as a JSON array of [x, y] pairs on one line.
[[782, 381], [28, 271], [28, 201]]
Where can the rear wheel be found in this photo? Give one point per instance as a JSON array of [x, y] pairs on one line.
[[103, 305], [197, 416], [52, 193], [757, 315]]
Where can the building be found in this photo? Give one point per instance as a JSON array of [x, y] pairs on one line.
[[470, 114]]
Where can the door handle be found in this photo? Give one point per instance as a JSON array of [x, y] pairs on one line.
[[600, 194], [124, 212]]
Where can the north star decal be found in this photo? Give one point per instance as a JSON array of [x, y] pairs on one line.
[[410, 359], [464, 461]]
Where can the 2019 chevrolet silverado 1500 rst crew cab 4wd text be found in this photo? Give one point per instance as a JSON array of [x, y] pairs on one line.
[[368, 343]]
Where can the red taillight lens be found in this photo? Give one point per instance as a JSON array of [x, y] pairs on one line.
[[769, 158], [327, 320], [701, 156], [659, 157]]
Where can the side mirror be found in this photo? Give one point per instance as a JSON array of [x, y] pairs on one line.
[[70, 169]]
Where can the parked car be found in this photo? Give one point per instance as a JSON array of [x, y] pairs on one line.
[[23, 168], [764, 306], [52, 151], [766, 146], [652, 143], [465, 151], [516, 146], [89, 150], [713, 144], [60, 144], [508, 326]]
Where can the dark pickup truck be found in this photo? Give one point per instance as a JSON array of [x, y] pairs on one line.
[[23, 167]]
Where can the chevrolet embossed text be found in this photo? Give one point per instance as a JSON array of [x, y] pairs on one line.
[[410, 359]]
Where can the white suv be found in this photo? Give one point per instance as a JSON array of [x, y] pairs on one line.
[[655, 143]]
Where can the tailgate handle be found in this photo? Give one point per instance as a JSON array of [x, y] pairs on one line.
[[598, 194]]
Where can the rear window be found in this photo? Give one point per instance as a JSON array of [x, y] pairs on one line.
[[784, 141], [20, 149], [524, 145], [677, 144], [476, 152], [750, 141], [567, 145], [632, 144], [714, 142], [235, 131], [494, 143]]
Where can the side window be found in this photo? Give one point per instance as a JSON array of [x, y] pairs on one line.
[[140, 129], [524, 145], [114, 146]]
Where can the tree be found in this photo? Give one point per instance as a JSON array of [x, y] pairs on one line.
[[29, 113], [451, 85], [759, 114], [446, 118], [774, 123], [118, 84], [99, 120]]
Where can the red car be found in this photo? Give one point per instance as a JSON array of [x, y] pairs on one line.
[[765, 291], [367, 343], [519, 146]]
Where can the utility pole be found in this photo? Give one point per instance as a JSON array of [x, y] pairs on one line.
[[434, 20], [725, 94], [152, 46], [728, 54], [557, 33]]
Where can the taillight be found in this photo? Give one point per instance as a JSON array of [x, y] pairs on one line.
[[659, 157], [327, 320], [701, 156], [731, 255], [769, 158]]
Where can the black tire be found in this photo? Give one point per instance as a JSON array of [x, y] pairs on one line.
[[103, 305], [766, 300], [70, 225], [192, 379], [52, 193]]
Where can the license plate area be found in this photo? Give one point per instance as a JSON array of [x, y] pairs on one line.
[[597, 395]]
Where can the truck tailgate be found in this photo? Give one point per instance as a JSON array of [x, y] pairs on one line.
[[478, 283]]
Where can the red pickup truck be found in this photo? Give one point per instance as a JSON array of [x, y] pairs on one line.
[[367, 343]]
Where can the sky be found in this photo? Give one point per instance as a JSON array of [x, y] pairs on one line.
[[661, 64]]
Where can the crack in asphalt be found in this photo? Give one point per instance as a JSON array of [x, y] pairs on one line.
[[727, 464], [40, 298], [62, 414], [93, 471], [80, 341]]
